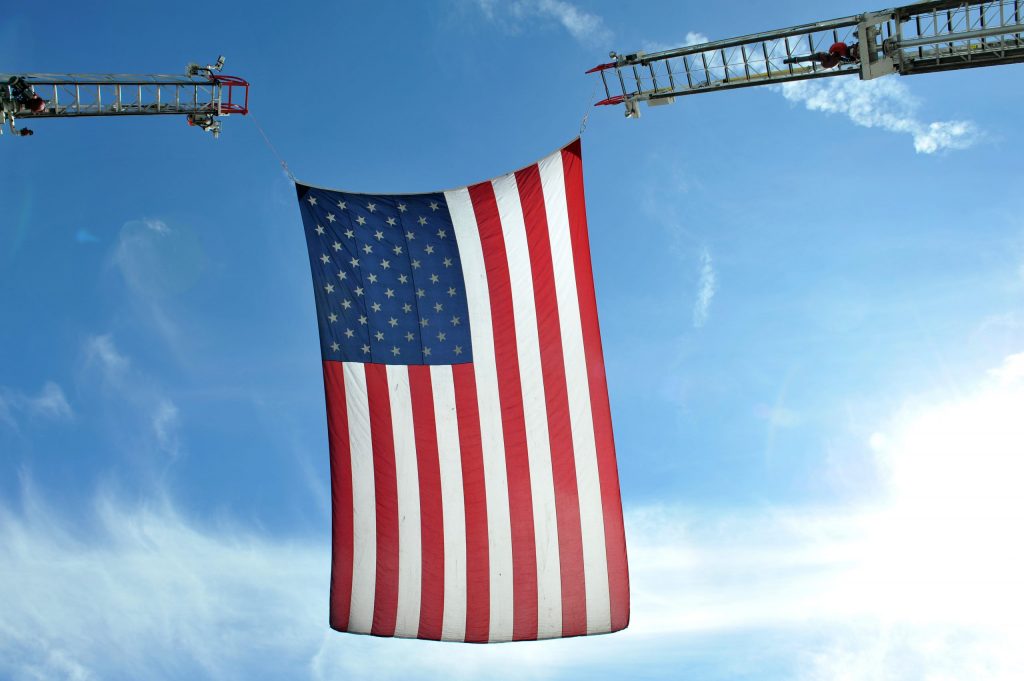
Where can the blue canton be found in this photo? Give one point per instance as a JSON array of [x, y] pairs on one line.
[[387, 278]]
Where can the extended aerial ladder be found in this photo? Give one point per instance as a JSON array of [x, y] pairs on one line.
[[923, 37], [203, 95]]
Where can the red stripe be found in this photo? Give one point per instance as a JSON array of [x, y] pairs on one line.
[[431, 513], [611, 502], [385, 486], [478, 571], [342, 552], [510, 394], [563, 462]]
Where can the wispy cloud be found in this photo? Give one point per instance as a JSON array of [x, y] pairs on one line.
[[924, 581], [130, 390], [691, 38], [158, 262], [49, 403], [585, 27], [707, 285], [883, 103]]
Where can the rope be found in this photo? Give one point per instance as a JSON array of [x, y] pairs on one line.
[[273, 149], [586, 111]]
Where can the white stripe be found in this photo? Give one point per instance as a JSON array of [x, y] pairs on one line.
[[364, 509], [410, 553], [595, 564], [453, 503], [499, 528], [531, 374]]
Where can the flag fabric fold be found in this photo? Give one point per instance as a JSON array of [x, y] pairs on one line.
[[475, 494]]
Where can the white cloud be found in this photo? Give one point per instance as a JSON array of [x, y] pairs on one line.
[[1011, 370], [130, 391], [691, 38], [707, 285], [924, 583], [102, 351], [158, 263], [585, 27], [883, 103], [50, 403], [165, 424]]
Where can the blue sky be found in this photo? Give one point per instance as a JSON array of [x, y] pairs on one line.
[[811, 304]]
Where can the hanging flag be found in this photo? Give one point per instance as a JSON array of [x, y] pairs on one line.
[[474, 484]]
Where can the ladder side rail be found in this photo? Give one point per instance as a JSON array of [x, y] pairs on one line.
[[725, 64], [990, 36], [90, 95]]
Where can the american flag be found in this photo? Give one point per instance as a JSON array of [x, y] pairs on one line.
[[474, 484]]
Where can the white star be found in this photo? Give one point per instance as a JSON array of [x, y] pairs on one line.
[[349, 333], [420, 293], [359, 290], [330, 217], [447, 262], [438, 307], [367, 249], [354, 262], [341, 205], [319, 230], [362, 319], [372, 207], [422, 220], [433, 205], [376, 307], [342, 275], [393, 322], [336, 246], [349, 233], [390, 293], [455, 321], [394, 349], [391, 222], [366, 349], [458, 349], [361, 220], [335, 346], [325, 258], [441, 234], [333, 317], [426, 352], [401, 207], [402, 279], [441, 336], [451, 291], [424, 322], [379, 335], [415, 264], [372, 278], [429, 249], [311, 199], [409, 336], [410, 236], [385, 264], [329, 288], [379, 235], [434, 279], [346, 304], [397, 250], [407, 308]]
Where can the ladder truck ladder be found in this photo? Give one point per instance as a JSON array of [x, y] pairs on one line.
[[923, 37], [203, 95]]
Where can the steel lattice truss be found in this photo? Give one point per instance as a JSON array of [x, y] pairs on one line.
[[919, 38], [203, 95]]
